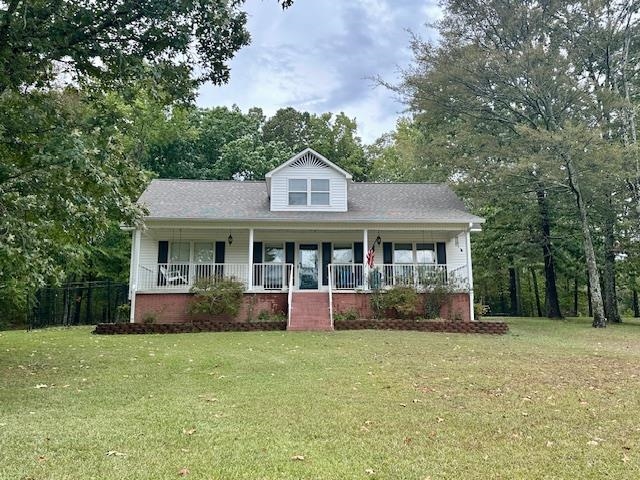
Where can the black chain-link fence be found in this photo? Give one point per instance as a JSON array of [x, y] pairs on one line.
[[83, 303]]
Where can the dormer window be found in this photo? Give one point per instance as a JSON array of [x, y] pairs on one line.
[[319, 192], [304, 191]]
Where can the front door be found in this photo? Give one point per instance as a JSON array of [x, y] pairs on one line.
[[308, 267]]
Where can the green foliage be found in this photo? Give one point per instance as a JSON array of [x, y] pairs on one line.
[[480, 310], [436, 298], [346, 315], [123, 313], [216, 296], [399, 301], [269, 316], [149, 317]]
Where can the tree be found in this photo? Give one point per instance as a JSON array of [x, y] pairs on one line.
[[508, 70], [67, 71]]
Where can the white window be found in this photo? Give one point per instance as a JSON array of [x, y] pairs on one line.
[[403, 253], [273, 253], [319, 192], [179, 252], [303, 191], [297, 191], [425, 253], [203, 252], [342, 253]]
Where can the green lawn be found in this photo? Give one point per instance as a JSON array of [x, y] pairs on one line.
[[548, 400]]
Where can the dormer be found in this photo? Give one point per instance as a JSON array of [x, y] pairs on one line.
[[308, 182]]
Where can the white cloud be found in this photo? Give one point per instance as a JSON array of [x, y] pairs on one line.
[[320, 56]]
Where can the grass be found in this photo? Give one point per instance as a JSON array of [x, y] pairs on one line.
[[549, 400]]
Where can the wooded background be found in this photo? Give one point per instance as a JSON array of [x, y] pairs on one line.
[[526, 108]]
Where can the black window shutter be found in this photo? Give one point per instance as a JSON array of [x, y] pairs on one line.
[[326, 260], [163, 257], [387, 259], [358, 252], [220, 247], [163, 251], [387, 253], [257, 258], [290, 257], [441, 253]]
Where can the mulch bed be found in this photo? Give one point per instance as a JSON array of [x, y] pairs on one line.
[[142, 328]]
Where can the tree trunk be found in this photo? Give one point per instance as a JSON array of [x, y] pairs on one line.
[[589, 302], [609, 271], [536, 291], [599, 318], [551, 290], [575, 296], [77, 297], [513, 293], [636, 306]]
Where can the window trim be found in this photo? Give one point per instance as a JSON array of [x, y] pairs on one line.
[[265, 245], [414, 253], [309, 192]]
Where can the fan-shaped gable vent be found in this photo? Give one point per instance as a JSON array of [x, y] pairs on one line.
[[308, 160]]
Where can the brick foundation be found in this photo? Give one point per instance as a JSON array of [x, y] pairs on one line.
[[172, 307], [456, 309]]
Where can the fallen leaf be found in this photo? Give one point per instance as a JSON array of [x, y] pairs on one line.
[[191, 431], [298, 457], [549, 443], [440, 419], [183, 472], [407, 440], [113, 453], [369, 471], [42, 458], [41, 385], [593, 443], [403, 404]]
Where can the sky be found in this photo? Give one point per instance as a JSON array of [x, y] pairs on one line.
[[320, 56]]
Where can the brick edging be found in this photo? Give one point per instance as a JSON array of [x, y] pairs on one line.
[[496, 328], [142, 328]]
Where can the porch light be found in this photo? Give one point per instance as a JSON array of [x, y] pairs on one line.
[[378, 240], [230, 239]]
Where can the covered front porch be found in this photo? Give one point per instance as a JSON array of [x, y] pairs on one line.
[[276, 260]]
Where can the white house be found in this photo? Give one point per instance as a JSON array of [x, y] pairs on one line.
[[308, 241]]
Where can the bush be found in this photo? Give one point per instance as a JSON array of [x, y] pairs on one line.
[[480, 310], [268, 316], [149, 318], [435, 299], [123, 313], [400, 301], [215, 296], [347, 315]]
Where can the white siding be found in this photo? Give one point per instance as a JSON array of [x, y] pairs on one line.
[[337, 189]]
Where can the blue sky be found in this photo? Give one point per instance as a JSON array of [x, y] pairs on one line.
[[320, 55]]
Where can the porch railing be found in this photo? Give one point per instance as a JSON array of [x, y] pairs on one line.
[[272, 276], [422, 276], [181, 276]]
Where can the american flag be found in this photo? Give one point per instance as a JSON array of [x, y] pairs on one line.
[[371, 255]]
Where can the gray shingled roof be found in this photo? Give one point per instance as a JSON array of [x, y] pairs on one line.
[[367, 202]]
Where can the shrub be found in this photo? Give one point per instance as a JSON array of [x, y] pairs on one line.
[[347, 315], [215, 296], [435, 299], [480, 310], [268, 316], [149, 317], [401, 301], [123, 313]]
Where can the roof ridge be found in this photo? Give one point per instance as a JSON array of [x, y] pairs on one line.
[[203, 180]]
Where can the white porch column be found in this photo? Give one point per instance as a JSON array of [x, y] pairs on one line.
[[365, 266], [134, 273], [250, 275], [470, 274]]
